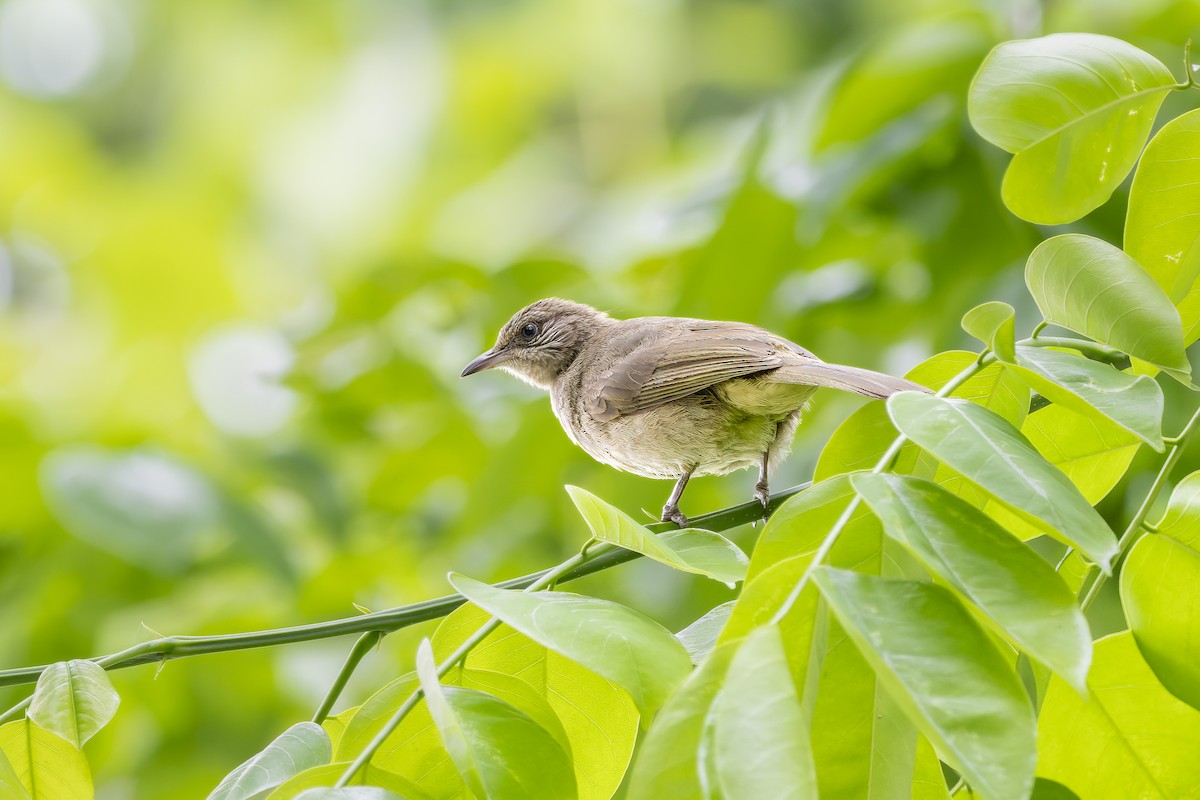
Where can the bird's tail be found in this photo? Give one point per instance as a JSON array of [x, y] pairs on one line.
[[848, 379]]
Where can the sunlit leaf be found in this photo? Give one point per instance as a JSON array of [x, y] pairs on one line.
[[1161, 232], [47, 765], [693, 550], [499, 750], [859, 442], [993, 324], [1129, 734], [612, 640], [10, 784], [700, 637], [668, 762], [1091, 287], [944, 672], [760, 745], [74, 699], [598, 717], [1092, 453], [1013, 586], [300, 747], [1135, 402], [986, 449], [1074, 109], [1160, 591]]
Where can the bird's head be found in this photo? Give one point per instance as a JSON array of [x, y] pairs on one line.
[[541, 340]]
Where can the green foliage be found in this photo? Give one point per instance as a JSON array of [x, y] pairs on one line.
[[243, 407], [1075, 111]]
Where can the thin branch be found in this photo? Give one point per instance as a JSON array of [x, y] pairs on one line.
[[356, 655], [394, 619], [1178, 443]]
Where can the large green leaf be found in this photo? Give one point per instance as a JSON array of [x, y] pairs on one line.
[[10, 783], [1160, 591], [1091, 287], [988, 451], [612, 640], [1135, 402], [1013, 586], [944, 672], [47, 765], [859, 442], [1074, 109], [1128, 738], [350, 793], [759, 733], [691, 550], [1093, 454], [500, 751], [1161, 228], [74, 699], [370, 777], [668, 762], [300, 747], [598, 717]]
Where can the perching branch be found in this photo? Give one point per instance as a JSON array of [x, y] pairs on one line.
[[172, 647]]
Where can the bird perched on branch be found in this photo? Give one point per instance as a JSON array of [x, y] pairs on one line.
[[666, 397]]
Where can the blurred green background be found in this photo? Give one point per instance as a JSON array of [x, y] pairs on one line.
[[246, 247]]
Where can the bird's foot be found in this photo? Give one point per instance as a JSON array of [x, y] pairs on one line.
[[673, 514], [763, 495]]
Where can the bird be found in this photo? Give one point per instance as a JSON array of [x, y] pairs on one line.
[[671, 397]]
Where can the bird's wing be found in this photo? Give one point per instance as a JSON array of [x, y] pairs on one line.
[[692, 356]]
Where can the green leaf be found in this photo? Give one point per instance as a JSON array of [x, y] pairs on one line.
[[1161, 230], [668, 762], [993, 324], [1160, 592], [859, 442], [691, 550], [1092, 288], [74, 699], [1129, 736], [760, 744], [47, 765], [1092, 453], [300, 747], [1135, 402], [1013, 586], [988, 451], [612, 640], [944, 672], [599, 719], [700, 637], [10, 784], [369, 778], [499, 750], [1074, 109]]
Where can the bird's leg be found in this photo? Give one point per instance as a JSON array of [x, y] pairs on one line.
[[671, 512], [762, 492]]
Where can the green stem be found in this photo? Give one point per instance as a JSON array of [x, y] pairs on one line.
[[547, 579], [363, 646], [885, 463], [172, 647], [1093, 350], [1189, 79], [1178, 443]]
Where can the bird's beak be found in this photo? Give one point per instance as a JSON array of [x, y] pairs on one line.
[[485, 360]]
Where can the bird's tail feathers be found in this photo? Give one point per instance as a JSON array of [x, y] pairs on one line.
[[848, 379]]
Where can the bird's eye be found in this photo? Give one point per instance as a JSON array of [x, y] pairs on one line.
[[529, 330]]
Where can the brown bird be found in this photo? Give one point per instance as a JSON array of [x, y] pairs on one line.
[[666, 397]]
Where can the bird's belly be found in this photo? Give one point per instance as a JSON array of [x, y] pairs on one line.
[[698, 433]]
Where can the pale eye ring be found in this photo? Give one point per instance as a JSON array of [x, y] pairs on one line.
[[529, 330]]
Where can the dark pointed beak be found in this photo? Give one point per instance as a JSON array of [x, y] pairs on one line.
[[485, 360]]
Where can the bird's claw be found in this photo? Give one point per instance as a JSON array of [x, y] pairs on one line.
[[763, 495], [676, 516]]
